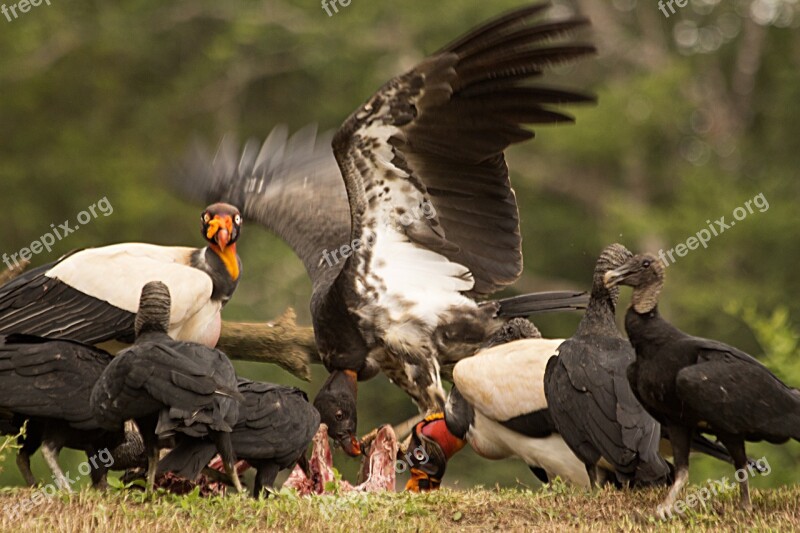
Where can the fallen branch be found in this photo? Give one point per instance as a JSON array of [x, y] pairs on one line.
[[12, 272], [281, 342]]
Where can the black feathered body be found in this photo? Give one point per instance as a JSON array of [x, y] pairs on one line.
[[276, 424], [596, 412], [48, 384], [188, 387], [707, 385]]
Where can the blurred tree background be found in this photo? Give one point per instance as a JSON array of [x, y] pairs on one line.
[[698, 112]]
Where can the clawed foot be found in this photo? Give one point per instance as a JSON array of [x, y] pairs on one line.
[[367, 440], [664, 511]]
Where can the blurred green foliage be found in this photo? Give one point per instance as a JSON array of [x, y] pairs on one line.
[[697, 114]]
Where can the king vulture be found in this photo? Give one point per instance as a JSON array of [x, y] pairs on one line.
[[693, 385], [170, 388], [276, 425], [48, 383], [429, 221], [588, 395], [498, 406], [92, 295]]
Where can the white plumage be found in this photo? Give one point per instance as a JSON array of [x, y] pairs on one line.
[[192, 315], [507, 381]]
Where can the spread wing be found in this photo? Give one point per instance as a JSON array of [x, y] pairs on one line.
[[45, 378], [290, 185], [430, 198]]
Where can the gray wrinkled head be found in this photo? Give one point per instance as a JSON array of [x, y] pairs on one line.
[[612, 257]]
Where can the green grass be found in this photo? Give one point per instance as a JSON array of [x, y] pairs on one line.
[[554, 508]]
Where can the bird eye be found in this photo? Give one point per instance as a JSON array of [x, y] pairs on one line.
[[206, 218], [339, 415], [646, 263], [237, 219]]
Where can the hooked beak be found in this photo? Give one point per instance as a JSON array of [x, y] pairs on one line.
[[219, 229], [421, 482], [612, 278], [350, 445]]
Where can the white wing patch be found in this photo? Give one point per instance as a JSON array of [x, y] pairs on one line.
[[506, 381], [412, 281], [117, 273]]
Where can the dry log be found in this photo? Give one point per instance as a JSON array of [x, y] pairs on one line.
[[12, 272], [280, 341]]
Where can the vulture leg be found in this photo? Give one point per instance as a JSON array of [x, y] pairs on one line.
[[265, 479], [50, 454], [735, 446], [148, 431], [29, 443], [24, 465], [592, 471], [679, 437], [225, 448], [99, 470]]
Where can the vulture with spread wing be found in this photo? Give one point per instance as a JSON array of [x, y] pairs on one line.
[[419, 219]]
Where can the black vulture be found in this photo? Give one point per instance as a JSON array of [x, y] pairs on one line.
[[589, 398], [432, 221], [47, 384], [92, 295], [170, 388], [695, 385], [276, 424]]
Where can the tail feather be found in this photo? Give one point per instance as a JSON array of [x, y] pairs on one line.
[[542, 302]]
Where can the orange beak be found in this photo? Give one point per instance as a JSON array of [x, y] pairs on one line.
[[351, 447], [421, 482], [219, 229]]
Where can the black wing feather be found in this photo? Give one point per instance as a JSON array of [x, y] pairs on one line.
[[736, 394], [276, 423], [191, 387], [595, 410], [50, 379], [26, 305]]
